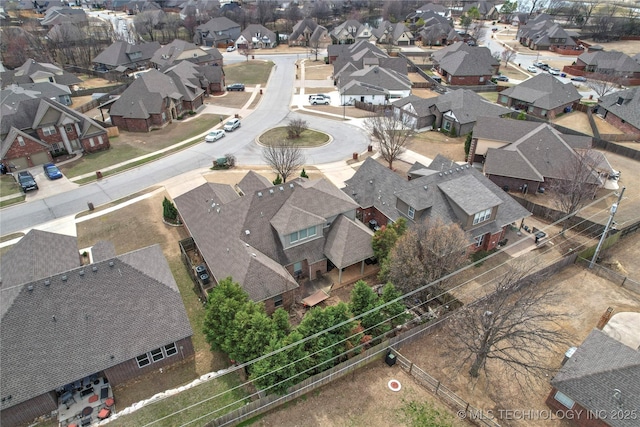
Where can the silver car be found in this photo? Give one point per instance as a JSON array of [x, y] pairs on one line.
[[232, 125]]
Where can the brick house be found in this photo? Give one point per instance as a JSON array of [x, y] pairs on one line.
[[599, 385], [445, 190], [461, 64], [35, 72], [180, 50], [117, 318], [542, 96], [34, 130], [217, 32], [610, 63], [273, 236], [125, 57], [307, 32], [622, 110]]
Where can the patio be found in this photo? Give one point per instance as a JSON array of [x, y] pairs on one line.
[[85, 402]]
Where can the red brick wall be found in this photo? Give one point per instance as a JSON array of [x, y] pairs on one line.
[[86, 145], [317, 266], [514, 184], [468, 80], [30, 147], [25, 412], [288, 299], [372, 213], [617, 122], [578, 416], [131, 125]]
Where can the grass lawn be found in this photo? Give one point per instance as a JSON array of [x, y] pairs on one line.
[[8, 185], [96, 161], [489, 96], [309, 138], [249, 73]]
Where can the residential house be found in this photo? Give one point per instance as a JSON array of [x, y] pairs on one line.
[[33, 130], [609, 63], [435, 33], [125, 57], [487, 9], [155, 99], [196, 8], [439, 9], [375, 85], [526, 156], [542, 33], [38, 72], [63, 15], [461, 64], [208, 78], [622, 110], [308, 33], [273, 236], [600, 378], [256, 36], [455, 112], [118, 318], [217, 32], [135, 7], [391, 34], [442, 190], [16, 93], [347, 58], [352, 31], [542, 96], [179, 50]]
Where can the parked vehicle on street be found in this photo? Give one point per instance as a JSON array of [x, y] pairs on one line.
[[236, 86], [502, 78], [315, 100], [232, 125], [26, 181], [320, 95], [579, 79], [51, 171], [553, 71], [214, 135], [532, 69]]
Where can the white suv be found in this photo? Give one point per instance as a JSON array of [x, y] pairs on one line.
[[316, 99], [232, 125]]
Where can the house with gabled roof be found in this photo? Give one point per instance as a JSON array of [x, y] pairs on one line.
[[610, 63], [155, 99], [542, 96], [256, 36], [307, 32], [542, 33], [487, 9], [375, 85], [63, 15], [600, 378], [272, 237], [445, 190], [454, 112], [195, 8], [352, 31], [125, 57], [394, 34], [33, 129], [217, 32], [17, 92], [622, 110], [525, 156], [37, 72], [435, 33], [461, 64], [180, 50], [113, 320]]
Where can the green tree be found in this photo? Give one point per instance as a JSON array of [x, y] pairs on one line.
[[283, 369], [521, 116], [467, 145], [395, 311], [509, 7], [278, 180], [250, 333], [226, 299], [303, 174], [385, 238], [169, 210]]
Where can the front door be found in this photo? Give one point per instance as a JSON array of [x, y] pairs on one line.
[[297, 269]]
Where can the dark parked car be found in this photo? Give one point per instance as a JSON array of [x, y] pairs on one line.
[[26, 181], [236, 86], [579, 79], [51, 171], [502, 78]]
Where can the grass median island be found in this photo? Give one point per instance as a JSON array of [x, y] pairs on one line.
[[308, 138], [252, 72]]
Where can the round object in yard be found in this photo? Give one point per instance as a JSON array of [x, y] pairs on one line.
[[394, 385]]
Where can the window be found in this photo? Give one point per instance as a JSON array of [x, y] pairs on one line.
[[479, 240], [504, 99], [447, 125], [293, 237], [91, 142], [530, 109], [156, 354], [302, 234], [20, 141], [543, 113], [411, 213], [68, 128], [277, 301], [170, 349], [49, 130], [100, 139], [312, 231], [143, 360], [482, 216], [564, 399]]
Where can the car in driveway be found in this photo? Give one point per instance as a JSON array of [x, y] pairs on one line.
[[236, 86], [214, 135], [502, 78], [553, 71], [320, 95], [26, 181], [231, 48], [51, 171], [579, 79], [532, 69], [232, 125], [315, 100]]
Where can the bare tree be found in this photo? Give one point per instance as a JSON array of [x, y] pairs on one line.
[[392, 130], [507, 55], [426, 252], [604, 84], [508, 331], [147, 22], [314, 45], [577, 183], [296, 127], [285, 158], [248, 50]]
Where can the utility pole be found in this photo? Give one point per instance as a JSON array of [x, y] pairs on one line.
[[612, 213]]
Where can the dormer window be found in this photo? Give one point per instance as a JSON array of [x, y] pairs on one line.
[[306, 233], [411, 213], [482, 216]]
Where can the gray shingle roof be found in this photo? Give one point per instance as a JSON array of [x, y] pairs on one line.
[[544, 91], [460, 59], [467, 106], [145, 96], [625, 104], [378, 77], [306, 24], [608, 61], [422, 106], [348, 242], [123, 53], [24, 73], [180, 50], [599, 367], [95, 319], [253, 30], [469, 194], [252, 182]]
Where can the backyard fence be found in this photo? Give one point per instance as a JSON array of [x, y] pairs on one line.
[[478, 417], [616, 149], [369, 107], [611, 275]]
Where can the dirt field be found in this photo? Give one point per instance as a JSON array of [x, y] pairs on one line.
[[575, 120], [630, 47], [317, 70], [432, 143]]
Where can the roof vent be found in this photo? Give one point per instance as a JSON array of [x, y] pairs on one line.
[[425, 187], [290, 185], [440, 174], [81, 272], [370, 181], [271, 191], [30, 288], [467, 166], [451, 171], [247, 232], [111, 264], [94, 268], [64, 278], [281, 188], [259, 193], [47, 282], [253, 255], [445, 172]]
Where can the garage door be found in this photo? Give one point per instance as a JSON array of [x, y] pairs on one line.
[[40, 158], [20, 163]]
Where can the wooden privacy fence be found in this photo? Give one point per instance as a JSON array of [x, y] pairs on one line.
[[612, 276], [448, 396]]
